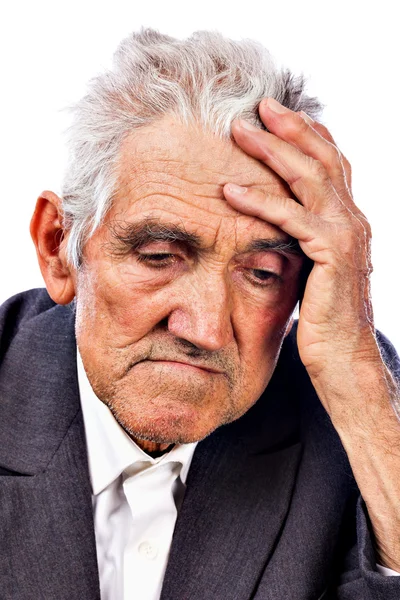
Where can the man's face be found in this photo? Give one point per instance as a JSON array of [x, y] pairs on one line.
[[182, 302]]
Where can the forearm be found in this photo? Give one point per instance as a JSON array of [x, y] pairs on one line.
[[362, 397]]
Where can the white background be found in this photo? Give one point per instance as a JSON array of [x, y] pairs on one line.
[[348, 50]]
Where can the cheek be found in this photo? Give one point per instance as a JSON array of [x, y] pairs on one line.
[[260, 333], [118, 308]]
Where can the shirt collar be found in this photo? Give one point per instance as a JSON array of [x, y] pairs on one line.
[[110, 449]]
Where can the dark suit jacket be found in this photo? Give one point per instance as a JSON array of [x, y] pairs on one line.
[[271, 510]]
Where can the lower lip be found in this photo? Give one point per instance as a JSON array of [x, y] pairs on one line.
[[182, 366]]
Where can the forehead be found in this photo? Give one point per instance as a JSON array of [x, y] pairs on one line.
[[175, 172]]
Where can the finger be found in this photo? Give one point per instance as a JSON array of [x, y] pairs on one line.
[[307, 177], [323, 241], [326, 134], [307, 137], [284, 212]]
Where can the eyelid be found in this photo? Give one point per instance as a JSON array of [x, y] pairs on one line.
[[149, 255], [165, 247], [264, 261], [167, 261], [268, 271], [157, 244], [274, 279], [159, 253]]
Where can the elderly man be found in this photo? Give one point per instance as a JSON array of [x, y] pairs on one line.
[[166, 431]]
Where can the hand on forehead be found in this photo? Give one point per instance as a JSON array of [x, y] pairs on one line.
[[172, 172]]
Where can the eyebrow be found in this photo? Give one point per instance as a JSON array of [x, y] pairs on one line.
[[290, 246], [133, 236]]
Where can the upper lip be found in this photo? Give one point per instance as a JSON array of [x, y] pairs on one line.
[[186, 362]]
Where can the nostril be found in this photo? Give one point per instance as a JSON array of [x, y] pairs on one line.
[[162, 325], [190, 349], [186, 344], [201, 327]]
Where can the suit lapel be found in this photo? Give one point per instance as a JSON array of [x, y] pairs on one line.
[[38, 390], [46, 527], [228, 525], [238, 494], [47, 532]]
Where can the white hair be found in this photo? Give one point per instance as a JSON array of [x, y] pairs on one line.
[[206, 78]]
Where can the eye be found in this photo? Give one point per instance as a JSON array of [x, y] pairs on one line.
[[159, 260], [263, 278]]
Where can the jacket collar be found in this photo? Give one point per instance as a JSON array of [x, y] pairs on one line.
[[38, 390]]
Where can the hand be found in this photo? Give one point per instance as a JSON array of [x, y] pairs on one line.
[[335, 330], [335, 336]]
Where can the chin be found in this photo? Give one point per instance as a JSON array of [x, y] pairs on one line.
[[166, 407], [174, 424]]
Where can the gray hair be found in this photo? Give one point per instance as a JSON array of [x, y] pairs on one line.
[[206, 78]]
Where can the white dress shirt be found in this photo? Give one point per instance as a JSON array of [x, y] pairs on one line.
[[135, 502]]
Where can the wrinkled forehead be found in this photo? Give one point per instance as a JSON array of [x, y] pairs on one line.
[[195, 155], [168, 169]]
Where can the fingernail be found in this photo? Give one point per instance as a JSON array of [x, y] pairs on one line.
[[275, 106], [248, 126], [236, 189], [306, 117]]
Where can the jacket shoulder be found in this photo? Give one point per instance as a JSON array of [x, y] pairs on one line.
[[20, 309]]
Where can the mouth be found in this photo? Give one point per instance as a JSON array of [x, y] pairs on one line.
[[178, 364]]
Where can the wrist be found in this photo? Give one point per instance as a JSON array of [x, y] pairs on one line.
[[357, 392]]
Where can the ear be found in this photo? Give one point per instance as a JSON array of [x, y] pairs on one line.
[[49, 238]]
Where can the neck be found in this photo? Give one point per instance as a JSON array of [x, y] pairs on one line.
[[152, 448]]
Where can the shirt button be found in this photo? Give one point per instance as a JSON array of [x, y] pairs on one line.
[[148, 550]]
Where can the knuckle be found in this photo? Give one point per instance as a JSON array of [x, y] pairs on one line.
[[346, 164], [301, 124], [324, 132], [367, 226], [318, 170], [335, 156], [364, 243], [359, 228], [335, 159], [295, 126], [362, 222]]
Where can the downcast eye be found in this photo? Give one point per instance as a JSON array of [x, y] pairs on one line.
[[157, 260], [156, 257], [263, 275], [263, 278]]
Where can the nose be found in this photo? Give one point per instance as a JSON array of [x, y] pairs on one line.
[[203, 315]]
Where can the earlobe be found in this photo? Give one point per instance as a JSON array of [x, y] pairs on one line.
[[49, 238]]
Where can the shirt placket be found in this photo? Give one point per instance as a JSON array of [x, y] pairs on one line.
[[149, 494]]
